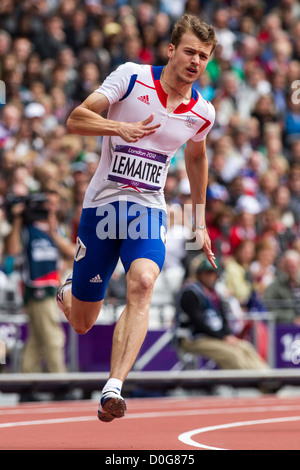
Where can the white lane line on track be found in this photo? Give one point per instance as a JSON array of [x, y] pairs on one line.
[[222, 404], [150, 414], [154, 414], [47, 421], [186, 437]]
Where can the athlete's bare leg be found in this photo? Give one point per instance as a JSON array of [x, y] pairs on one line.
[[129, 333], [81, 315], [132, 325]]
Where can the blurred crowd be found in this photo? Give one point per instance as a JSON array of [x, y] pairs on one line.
[[54, 53]]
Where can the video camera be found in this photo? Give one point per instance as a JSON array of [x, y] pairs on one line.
[[34, 207]]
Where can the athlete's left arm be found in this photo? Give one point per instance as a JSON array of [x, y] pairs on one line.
[[197, 171]]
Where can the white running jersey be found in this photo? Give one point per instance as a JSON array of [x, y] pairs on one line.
[[136, 172]]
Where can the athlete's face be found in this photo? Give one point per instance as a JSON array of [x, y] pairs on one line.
[[189, 59]]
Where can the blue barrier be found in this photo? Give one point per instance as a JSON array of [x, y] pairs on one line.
[[91, 352]]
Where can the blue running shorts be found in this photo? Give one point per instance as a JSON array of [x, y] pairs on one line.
[[122, 230]]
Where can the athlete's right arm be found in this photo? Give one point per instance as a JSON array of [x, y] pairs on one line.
[[86, 119]]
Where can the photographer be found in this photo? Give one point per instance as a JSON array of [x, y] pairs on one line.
[[35, 236]]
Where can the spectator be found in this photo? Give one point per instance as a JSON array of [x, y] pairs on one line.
[[88, 80], [235, 190], [237, 272], [247, 51], [294, 186], [268, 183], [288, 10], [77, 30], [287, 213], [265, 111], [279, 89], [174, 9], [51, 39], [162, 24], [33, 71], [252, 125], [114, 40], [36, 226], [96, 53], [255, 86], [270, 28], [204, 85], [244, 228], [262, 268], [149, 41], [22, 49], [5, 43], [278, 234], [230, 97], [292, 117], [277, 161], [10, 124], [282, 297], [216, 197], [281, 55], [215, 66], [294, 151], [171, 188], [219, 232], [252, 172], [217, 166], [202, 317], [234, 161], [225, 37], [145, 14]]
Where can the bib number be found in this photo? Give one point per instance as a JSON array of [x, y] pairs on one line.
[[137, 167]]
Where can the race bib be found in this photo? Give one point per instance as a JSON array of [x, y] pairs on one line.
[[137, 167]]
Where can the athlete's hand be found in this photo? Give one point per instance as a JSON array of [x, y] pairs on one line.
[[134, 131], [203, 240]]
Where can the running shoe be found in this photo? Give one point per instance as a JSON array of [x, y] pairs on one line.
[[111, 406], [60, 292]]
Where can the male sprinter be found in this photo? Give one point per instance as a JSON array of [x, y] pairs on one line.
[[152, 111]]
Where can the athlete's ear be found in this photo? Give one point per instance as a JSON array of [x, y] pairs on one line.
[[171, 50]]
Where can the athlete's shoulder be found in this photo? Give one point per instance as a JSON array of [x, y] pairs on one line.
[[132, 68], [206, 111], [120, 81], [129, 67], [206, 107]]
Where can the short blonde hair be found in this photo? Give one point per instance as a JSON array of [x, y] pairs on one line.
[[205, 32]]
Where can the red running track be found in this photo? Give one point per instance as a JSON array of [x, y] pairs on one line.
[[190, 424]]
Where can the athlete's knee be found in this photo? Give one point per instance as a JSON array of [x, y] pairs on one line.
[[81, 329], [141, 285], [80, 326], [146, 282], [82, 317]]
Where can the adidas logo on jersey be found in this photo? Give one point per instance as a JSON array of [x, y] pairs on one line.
[[96, 279], [144, 99]]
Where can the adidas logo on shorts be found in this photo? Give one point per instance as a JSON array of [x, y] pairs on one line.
[[144, 99], [96, 279]]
